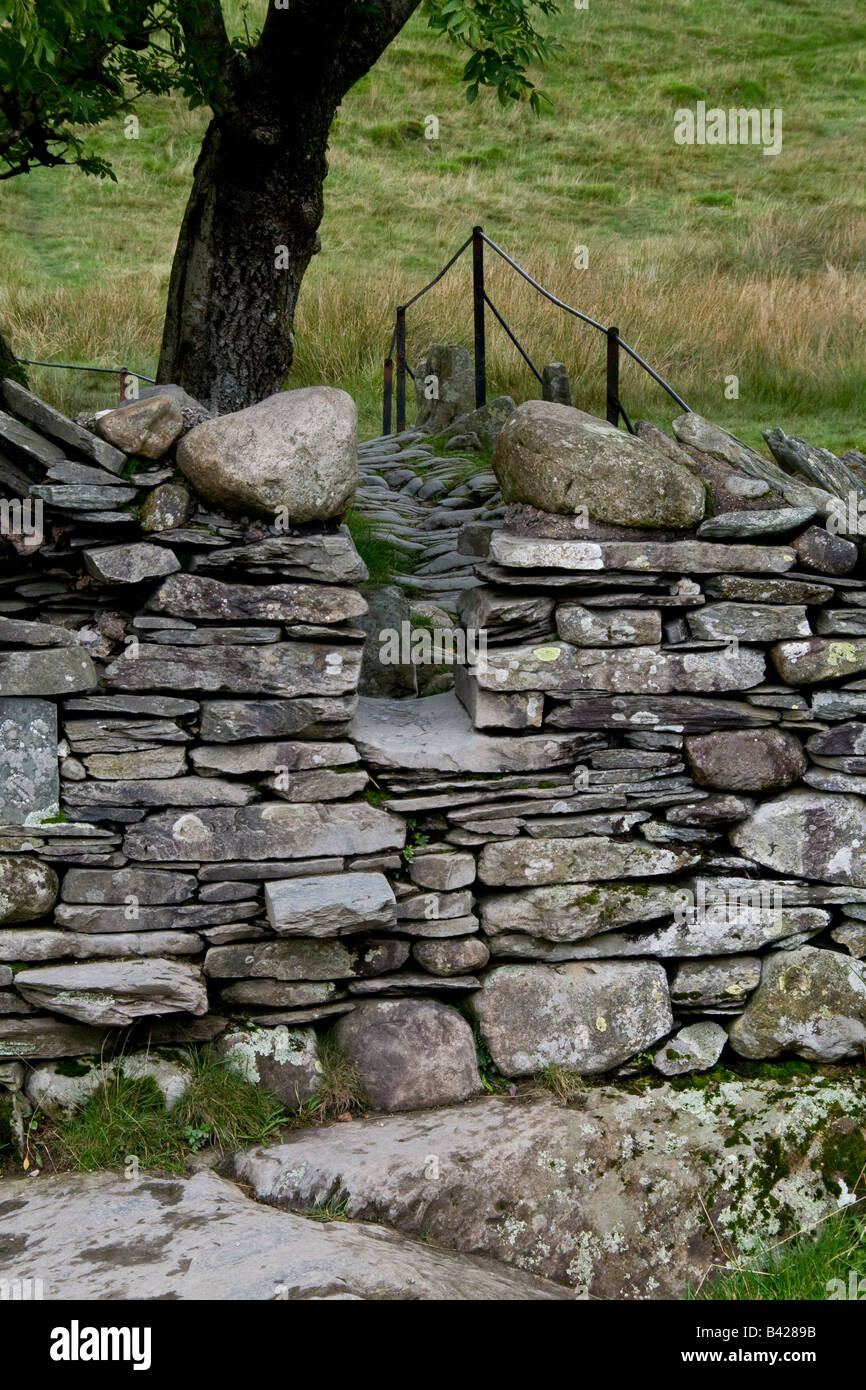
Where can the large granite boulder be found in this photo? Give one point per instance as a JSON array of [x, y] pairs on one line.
[[809, 1001], [297, 450], [588, 1018], [563, 460], [410, 1053]]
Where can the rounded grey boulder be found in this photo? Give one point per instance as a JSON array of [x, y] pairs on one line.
[[410, 1053], [296, 452], [563, 460], [746, 760], [809, 1001], [28, 888]]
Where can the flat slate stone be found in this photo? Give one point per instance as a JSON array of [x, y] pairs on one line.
[[568, 912], [148, 886], [626, 627], [486, 710], [107, 736], [841, 622], [51, 671], [43, 944], [200, 1237], [114, 993], [329, 905], [674, 712], [304, 960], [160, 791], [239, 759], [681, 557], [150, 763], [560, 667], [197, 597], [749, 622], [83, 497], [27, 442], [513, 863], [130, 564], [284, 668], [29, 783], [90, 917], [436, 734], [44, 1036], [158, 706], [274, 830], [51, 422], [225, 721], [330, 557], [736, 586], [211, 636], [15, 633], [773, 521], [819, 659]]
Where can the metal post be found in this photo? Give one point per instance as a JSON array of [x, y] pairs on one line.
[[387, 394], [123, 378], [478, 310], [400, 345], [613, 375]]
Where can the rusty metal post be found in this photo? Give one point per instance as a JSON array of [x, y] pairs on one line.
[[478, 314], [387, 395], [613, 376], [124, 374], [400, 346]]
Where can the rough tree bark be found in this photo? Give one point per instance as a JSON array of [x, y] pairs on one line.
[[9, 364], [251, 223]]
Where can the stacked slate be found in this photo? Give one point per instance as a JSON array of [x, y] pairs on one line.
[[635, 825]]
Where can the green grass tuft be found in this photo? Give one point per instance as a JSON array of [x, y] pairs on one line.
[[802, 1268]]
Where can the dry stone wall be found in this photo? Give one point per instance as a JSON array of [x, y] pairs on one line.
[[634, 829]]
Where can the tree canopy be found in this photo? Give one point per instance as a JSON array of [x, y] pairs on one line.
[[68, 66]]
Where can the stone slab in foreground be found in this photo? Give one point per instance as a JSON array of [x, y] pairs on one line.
[[97, 1236], [605, 1196]]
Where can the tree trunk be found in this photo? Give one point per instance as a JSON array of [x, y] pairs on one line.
[[9, 364], [251, 223], [249, 232]]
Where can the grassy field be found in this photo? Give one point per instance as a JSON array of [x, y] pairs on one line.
[[713, 261]]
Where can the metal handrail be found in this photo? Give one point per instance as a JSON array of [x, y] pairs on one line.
[[478, 240], [123, 372]]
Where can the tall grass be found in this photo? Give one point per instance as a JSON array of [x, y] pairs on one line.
[[713, 262]]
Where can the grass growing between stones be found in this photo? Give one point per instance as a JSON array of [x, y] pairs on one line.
[[826, 1263], [381, 558], [126, 1119], [341, 1092]]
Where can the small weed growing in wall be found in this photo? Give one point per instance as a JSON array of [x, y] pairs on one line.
[[340, 1092]]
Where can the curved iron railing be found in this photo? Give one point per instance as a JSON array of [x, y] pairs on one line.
[[397, 365]]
